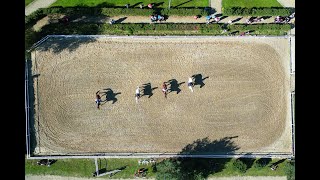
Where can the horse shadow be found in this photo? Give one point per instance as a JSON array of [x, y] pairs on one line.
[[198, 80], [174, 85], [147, 90], [109, 95]]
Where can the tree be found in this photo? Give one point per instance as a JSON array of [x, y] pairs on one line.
[[168, 169]]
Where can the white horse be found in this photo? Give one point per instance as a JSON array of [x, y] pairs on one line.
[[190, 84]]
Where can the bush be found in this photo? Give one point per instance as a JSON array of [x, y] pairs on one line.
[[240, 166], [273, 11], [168, 169], [266, 29], [289, 169]]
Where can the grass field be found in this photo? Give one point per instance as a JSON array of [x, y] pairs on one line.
[[85, 168], [250, 3], [28, 2], [135, 3]]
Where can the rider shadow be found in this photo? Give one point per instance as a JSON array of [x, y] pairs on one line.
[[109, 95], [174, 85], [198, 80], [147, 90]]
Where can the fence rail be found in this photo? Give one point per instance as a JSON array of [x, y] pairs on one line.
[[26, 88], [167, 155]]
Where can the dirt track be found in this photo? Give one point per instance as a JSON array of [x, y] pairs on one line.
[[246, 94]]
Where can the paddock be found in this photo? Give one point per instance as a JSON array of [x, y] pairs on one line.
[[241, 101]]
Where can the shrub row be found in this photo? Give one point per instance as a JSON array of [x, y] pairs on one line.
[[161, 29], [268, 26], [267, 11]]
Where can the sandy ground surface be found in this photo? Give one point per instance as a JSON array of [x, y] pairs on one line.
[[245, 94], [49, 177]]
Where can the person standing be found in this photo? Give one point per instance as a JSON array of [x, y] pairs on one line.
[[137, 95], [164, 89], [98, 100], [190, 84]]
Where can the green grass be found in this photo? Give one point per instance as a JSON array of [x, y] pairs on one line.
[[65, 167], [250, 3], [91, 3], [85, 168], [265, 171], [26, 2]]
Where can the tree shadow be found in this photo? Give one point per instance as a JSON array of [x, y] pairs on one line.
[[263, 161], [248, 161], [198, 80], [109, 95], [197, 168], [147, 90], [174, 85], [182, 4], [58, 44], [120, 20], [105, 4]]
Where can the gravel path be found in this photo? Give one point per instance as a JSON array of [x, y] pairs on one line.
[[38, 4], [216, 4], [287, 3], [49, 177]]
